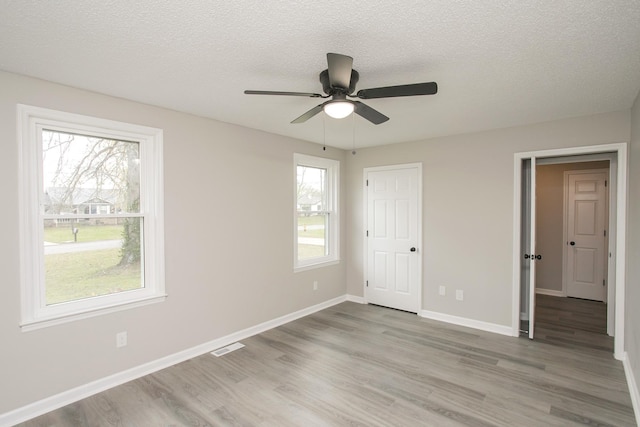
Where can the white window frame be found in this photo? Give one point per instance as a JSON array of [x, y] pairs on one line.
[[35, 313], [333, 232]]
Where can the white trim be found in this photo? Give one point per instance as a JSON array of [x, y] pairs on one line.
[[612, 236], [620, 151], [365, 259], [39, 324], [633, 386], [550, 292], [356, 299], [469, 323], [316, 265], [516, 310], [48, 404]]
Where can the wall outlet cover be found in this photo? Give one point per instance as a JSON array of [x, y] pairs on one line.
[[121, 339]]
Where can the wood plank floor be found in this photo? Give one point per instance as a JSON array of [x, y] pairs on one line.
[[573, 323], [363, 365]]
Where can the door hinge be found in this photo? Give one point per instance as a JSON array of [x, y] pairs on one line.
[[603, 282], [367, 283], [605, 233], [367, 183], [605, 182], [367, 233]]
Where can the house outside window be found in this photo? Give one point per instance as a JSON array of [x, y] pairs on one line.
[[91, 216], [316, 231]]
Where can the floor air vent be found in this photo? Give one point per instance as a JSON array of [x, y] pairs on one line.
[[228, 349]]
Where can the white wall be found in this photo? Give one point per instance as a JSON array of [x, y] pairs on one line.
[[468, 208], [229, 251]]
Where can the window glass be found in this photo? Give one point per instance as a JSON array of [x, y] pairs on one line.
[[312, 212], [98, 254], [316, 211]]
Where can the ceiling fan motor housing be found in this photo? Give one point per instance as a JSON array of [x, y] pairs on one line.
[[326, 86]]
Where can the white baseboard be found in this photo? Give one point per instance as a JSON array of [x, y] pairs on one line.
[[551, 292], [353, 298], [59, 400], [470, 323], [633, 386]]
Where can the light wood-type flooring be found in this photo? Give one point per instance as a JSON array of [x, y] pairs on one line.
[[363, 365]]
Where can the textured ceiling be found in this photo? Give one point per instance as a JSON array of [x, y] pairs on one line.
[[497, 63]]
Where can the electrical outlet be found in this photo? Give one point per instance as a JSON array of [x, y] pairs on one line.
[[442, 291], [121, 339], [315, 285], [459, 295]]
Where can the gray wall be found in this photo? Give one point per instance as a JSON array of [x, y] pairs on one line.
[[228, 236], [468, 208], [226, 271], [549, 220], [632, 322]]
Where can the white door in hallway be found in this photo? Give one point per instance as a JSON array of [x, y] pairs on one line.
[[586, 240], [393, 237]]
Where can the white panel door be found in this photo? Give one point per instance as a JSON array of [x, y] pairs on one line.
[[393, 256], [528, 243], [586, 239]]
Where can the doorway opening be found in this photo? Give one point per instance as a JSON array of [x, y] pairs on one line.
[[572, 213], [527, 256]]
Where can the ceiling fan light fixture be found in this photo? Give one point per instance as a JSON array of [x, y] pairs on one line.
[[338, 109]]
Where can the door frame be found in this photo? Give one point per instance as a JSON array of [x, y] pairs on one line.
[[365, 210], [565, 230], [617, 274]]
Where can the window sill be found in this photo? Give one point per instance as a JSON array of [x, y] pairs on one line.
[[32, 325], [314, 266]]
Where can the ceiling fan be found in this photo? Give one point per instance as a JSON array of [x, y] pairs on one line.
[[339, 82]]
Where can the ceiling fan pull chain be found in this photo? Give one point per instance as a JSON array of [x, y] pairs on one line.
[[353, 151]]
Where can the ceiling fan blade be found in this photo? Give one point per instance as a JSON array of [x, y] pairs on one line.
[[430, 88], [270, 92], [339, 70], [374, 116], [306, 116]]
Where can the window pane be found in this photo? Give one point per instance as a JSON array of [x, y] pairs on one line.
[[88, 175], [91, 257], [312, 235], [312, 189]]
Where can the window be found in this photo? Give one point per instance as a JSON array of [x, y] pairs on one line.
[[316, 211], [91, 216]]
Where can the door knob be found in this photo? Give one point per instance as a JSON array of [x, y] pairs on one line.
[[538, 257], [412, 249], [572, 243], [527, 256]]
